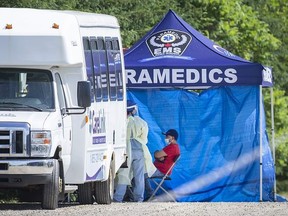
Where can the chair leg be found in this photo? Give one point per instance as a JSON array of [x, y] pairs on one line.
[[157, 188], [172, 198], [155, 191]]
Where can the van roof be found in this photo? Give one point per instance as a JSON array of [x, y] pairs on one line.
[[27, 16], [93, 19], [46, 37]]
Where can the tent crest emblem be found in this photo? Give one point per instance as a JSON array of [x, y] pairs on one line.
[[168, 42]]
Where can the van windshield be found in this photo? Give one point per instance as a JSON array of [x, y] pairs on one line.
[[26, 89]]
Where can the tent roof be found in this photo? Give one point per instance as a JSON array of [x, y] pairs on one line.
[[173, 54]]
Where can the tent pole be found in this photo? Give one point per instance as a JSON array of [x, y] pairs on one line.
[[260, 130], [273, 138]]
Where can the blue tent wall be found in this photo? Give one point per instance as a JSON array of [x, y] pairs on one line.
[[216, 127]]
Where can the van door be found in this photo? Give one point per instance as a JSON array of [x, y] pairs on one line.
[[65, 124]]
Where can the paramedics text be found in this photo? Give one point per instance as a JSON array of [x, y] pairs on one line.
[[179, 76]]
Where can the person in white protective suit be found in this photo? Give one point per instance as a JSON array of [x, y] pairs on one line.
[[139, 159]]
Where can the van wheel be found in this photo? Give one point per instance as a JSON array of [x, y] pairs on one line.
[[85, 193], [104, 190], [51, 190]]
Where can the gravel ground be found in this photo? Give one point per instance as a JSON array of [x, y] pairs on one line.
[[152, 208]]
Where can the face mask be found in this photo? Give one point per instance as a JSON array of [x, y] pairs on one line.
[[167, 141], [134, 112]]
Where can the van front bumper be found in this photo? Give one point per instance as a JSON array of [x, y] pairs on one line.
[[23, 172]]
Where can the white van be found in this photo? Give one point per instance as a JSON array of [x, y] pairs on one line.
[[62, 104]]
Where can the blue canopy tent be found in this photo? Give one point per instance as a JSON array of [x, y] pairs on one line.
[[225, 154]]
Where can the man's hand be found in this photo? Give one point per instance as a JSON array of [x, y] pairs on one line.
[[160, 155], [161, 159]]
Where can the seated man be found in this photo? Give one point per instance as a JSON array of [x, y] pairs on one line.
[[164, 158]]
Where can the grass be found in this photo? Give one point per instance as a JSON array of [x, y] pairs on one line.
[[282, 188], [284, 194]]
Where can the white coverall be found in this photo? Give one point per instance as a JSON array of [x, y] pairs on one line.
[[137, 129]]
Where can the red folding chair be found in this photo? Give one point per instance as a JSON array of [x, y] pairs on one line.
[[163, 178]]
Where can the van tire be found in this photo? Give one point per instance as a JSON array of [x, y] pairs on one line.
[[85, 193], [51, 189], [104, 190]]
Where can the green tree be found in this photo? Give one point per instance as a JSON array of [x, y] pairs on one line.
[[281, 137], [47, 4], [275, 14], [233, 25], [136, 17]]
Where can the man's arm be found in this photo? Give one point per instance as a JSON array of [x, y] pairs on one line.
[[160, 155]]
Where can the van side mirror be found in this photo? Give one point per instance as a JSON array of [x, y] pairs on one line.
[[84, 94]]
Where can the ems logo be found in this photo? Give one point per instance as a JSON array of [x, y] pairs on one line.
[[168, 42]]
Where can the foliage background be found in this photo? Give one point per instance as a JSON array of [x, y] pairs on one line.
[[255, 30]]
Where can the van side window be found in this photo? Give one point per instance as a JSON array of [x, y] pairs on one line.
[[111, 68], [103, 67], [60, 92], [89, 64], [97, 72], [118, 68]]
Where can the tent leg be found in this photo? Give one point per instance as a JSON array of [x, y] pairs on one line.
[[260, 134], [273, 138]]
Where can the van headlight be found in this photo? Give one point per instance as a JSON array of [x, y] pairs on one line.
[[40, 143]]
